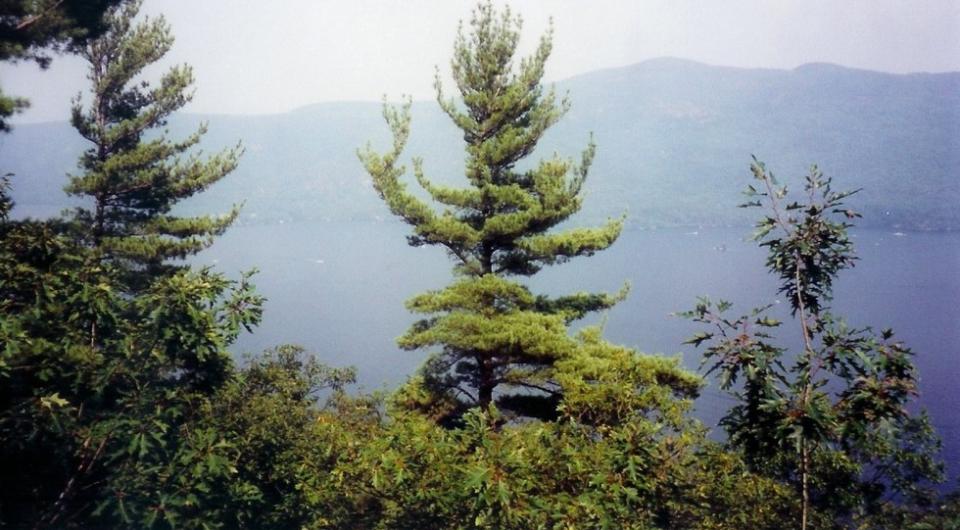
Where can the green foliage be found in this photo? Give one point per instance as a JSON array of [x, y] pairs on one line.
[[120, 405], [606, 385], [833, 419], [409, 472], [10, 105], [497, 341], [30, 29], [943, 515], [107, 365], [268, 411], [100, 391], [135, 179]]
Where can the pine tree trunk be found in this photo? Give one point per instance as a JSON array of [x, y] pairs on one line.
[[485, 390], [98, 223], [486, 383], [805, 483]]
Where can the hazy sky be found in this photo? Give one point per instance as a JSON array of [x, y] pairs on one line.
[[261, 57]]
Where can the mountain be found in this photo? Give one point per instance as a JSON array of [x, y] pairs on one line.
[[674, 144]]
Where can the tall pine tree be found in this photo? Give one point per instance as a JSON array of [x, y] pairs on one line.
[[134, 177], [498, 342]]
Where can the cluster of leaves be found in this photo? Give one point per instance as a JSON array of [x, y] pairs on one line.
[[100, 391], [32, 29], [637, 461], [832, 418], [941, 515], [269, 411]]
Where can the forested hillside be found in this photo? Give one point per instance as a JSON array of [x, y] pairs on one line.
[[672, 138]]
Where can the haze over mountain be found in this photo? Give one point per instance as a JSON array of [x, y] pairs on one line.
[[674, 144]]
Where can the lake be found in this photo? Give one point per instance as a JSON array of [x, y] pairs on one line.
[[339, 288]]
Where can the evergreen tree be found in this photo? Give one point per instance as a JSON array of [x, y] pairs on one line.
[[103, 392], [103, 430], [498, 341], [135, 179]]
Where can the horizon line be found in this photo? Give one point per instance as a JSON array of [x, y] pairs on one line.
[[662, 59]]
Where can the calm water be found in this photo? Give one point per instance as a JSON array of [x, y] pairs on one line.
[[339, 288]]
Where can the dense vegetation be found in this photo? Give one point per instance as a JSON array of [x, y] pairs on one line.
[[120, 405]]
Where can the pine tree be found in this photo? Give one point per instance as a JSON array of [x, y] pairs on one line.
[[498, 341], [135, 177]]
